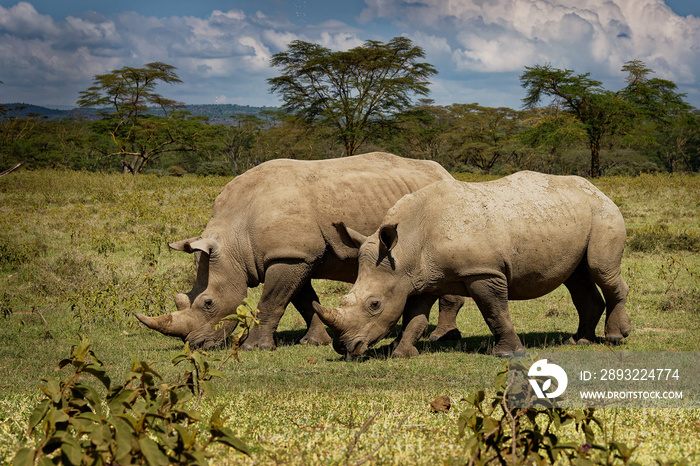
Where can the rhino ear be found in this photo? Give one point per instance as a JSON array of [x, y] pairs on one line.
[[388, 236], [206, 245], [349, 236], [183, 245]]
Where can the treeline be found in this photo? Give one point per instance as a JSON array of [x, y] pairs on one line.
[[462, 137]]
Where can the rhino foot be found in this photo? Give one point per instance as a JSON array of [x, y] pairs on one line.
[[316, 340], [404, 351], [579, 341], [615, 339], [261, 345], [441, 335]]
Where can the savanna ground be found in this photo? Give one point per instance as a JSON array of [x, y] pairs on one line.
[[79, 253]]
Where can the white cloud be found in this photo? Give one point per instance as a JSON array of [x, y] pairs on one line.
[[23, 20], [228, 48], [479, 47], [590, 35]]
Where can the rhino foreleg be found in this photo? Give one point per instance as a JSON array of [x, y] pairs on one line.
[[491, 297], [316, 335], [415, 322], [283, 280]]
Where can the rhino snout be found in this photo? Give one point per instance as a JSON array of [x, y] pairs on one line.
[[353, 348]]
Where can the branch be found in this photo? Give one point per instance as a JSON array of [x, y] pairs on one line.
[[10, 170]]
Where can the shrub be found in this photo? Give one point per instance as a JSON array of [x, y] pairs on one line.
[[650, 237], [140, 421], [501, 434]]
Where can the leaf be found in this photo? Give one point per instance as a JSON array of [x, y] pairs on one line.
[[190, 415], [590, 435], [91, 395], [45, 461], [101, 438], [82, 425], [152, 452], [178, 359], [71, 449], [121, 400], [186, 436], [37, 415], [24, 457], [197, 457], [56, 416], [123, 435], [501, 380], [216, 420], [52, 389], [99, 372], [225, 435], [147, 369]]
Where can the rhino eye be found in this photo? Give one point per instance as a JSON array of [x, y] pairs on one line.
[[374, 304]]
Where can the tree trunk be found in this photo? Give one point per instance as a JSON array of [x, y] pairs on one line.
[[595, 157]]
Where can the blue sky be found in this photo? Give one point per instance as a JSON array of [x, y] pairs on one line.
[[50, 50]]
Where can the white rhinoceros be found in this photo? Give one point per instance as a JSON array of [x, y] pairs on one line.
[[516, 238], [273, 225]]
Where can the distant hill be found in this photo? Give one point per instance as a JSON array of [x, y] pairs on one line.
[[217, 113]]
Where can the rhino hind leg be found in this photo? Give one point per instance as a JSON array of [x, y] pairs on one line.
[[617, 321], [283, 280], [316, 334], [491, 297], [604, 257], [447, 319], [589, 304]]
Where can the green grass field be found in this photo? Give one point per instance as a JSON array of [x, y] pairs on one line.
[[79, 253]]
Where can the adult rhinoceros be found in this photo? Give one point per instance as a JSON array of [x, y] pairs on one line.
[[273, 225], [519, 237]]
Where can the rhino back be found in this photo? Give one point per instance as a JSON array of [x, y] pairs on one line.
[[532, 228], [284, 209]]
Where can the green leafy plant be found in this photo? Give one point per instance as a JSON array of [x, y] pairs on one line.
[[501, 434], [142, 421], [245, 318]]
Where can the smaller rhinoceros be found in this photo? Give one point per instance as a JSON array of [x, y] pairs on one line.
[[516, 238]]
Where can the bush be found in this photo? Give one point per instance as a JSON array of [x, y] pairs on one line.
[[650, 237], [215, 168], [141, 421], [504, 435]]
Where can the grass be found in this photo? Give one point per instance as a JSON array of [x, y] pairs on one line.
[[79, 253]]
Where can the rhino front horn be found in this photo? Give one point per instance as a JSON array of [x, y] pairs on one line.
[[163, 324], [328, 316]]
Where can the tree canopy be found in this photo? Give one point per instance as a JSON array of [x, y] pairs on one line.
[[353, 91], [139, 137], [600, 111]]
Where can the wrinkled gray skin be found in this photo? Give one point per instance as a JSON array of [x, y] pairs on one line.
[[273, 225], [516, 238]]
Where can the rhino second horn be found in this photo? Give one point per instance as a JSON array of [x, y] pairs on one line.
[[163, 324]]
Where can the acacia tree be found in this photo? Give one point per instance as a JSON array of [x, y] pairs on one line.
[[352, 91], [139, 136], [602, 112]]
